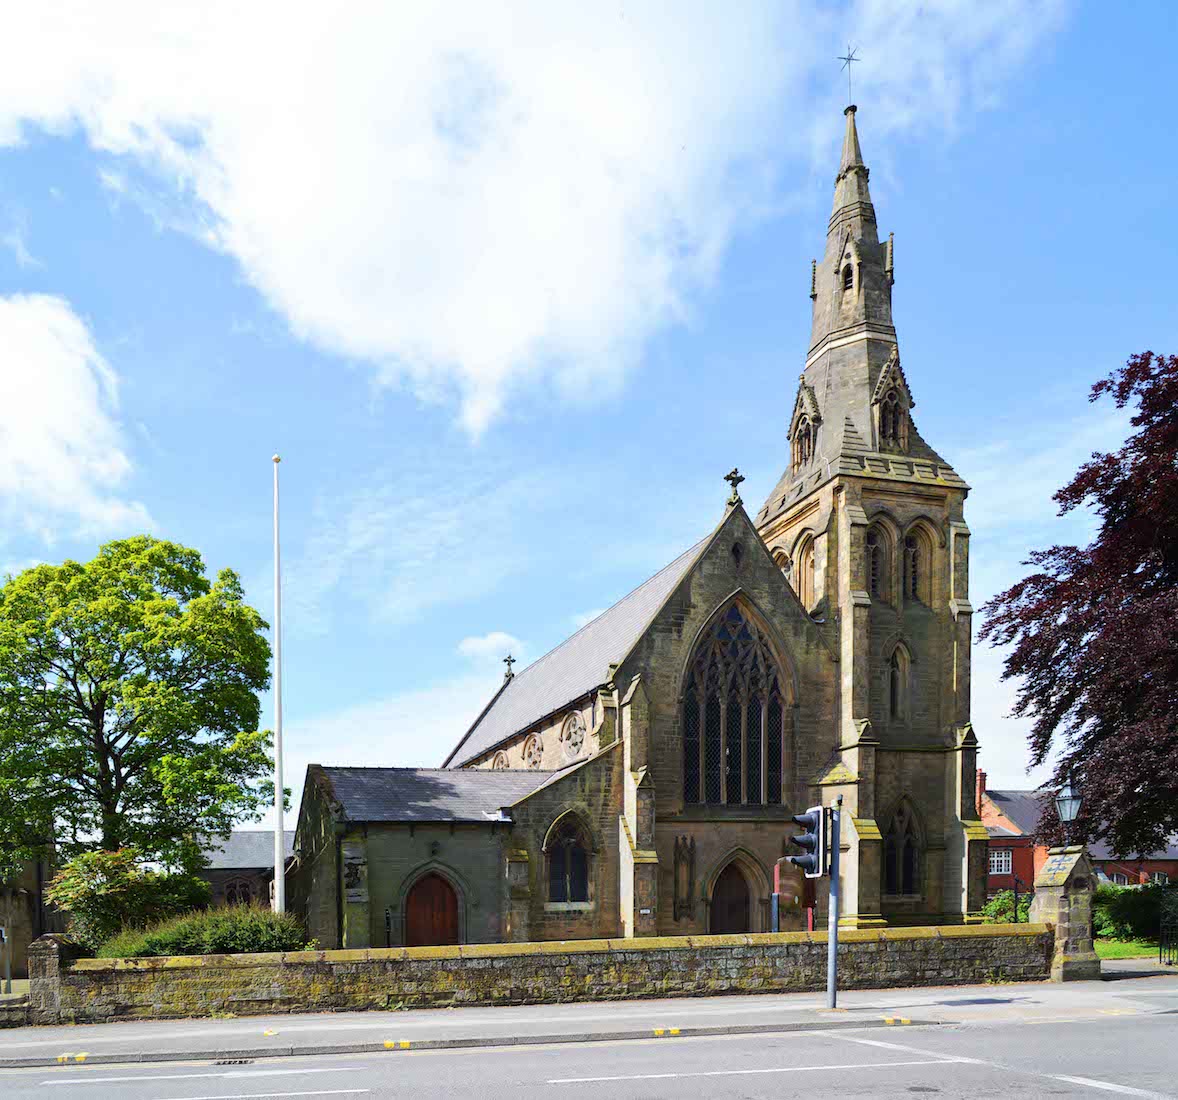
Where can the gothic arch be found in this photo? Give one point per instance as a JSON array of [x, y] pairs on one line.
[[933, 529], [880, 556], [572, 815], [904, 851], [755, 878], [443, 871], [916, 564], [570, 859], [898, 681]]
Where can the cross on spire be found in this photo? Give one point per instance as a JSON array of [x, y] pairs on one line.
[[848, 61], [734, 479], [509, 660]]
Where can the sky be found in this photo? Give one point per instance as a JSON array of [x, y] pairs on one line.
[[511, 286]]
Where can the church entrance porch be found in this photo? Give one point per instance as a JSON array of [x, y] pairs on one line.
[[431, 913], [731, 908]]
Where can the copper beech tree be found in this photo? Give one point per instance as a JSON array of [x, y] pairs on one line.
[[1093, 632]]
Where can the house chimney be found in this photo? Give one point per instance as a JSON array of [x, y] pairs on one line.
[[981, 791]]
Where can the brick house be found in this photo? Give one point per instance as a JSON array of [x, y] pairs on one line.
[[639, 778], [1012, 818]]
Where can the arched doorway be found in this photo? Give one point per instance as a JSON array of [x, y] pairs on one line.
[[431, 913], [731, 904]]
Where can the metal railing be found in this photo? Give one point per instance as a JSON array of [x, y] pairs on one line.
[[1168, 934]]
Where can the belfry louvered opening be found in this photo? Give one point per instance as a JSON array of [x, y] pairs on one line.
[[734, 716]]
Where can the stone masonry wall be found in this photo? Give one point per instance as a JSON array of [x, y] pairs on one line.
[[93, 990]]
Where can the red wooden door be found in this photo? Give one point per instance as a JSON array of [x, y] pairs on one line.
[[431, 913], [730, 902]]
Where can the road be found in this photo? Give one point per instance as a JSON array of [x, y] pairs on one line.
[[1038, 1039], [1116, 1055]]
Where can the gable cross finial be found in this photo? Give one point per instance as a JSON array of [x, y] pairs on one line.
[[848, 61], [509, 660], [734, 479]]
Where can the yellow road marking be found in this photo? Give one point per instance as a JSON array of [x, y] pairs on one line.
[[896, 1020], [396, 1044]]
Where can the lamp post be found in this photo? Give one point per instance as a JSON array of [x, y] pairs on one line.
[[1067, 806]]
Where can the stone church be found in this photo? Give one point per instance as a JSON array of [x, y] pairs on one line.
[[639, 779]]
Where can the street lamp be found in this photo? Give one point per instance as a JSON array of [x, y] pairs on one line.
[[1067, 806]]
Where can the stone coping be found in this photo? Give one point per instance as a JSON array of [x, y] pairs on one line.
[[559, 947]]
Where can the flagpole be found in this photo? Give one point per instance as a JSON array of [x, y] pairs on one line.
[[279, 833]]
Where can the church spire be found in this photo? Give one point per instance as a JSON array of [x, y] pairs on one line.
[[852, 154]]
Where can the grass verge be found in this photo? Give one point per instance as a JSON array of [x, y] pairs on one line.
[[1125, 949]]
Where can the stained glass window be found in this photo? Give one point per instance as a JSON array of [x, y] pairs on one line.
[[734, 683], [568, 865]]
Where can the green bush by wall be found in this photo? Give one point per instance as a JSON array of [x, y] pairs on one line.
[[233, 931], [1128, 912]]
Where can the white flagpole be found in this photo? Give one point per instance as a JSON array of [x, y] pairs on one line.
[[279, 834]]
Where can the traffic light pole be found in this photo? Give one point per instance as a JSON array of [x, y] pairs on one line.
[[832, 932]]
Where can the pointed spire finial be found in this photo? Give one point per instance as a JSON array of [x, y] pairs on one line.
[[852, 154], [508, 676], [734, 479]]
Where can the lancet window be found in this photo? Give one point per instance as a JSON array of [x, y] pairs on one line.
[[803, 442], [893, 422], [898, 676], [733, 716], [877, 564], [902, 853], [804, 585], [848, 277], [917, 556], [568, 863]]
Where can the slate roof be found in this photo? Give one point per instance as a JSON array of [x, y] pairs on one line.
[[575, 667], [245, 848], [429, 794], [1022, 808], [1101, 850]]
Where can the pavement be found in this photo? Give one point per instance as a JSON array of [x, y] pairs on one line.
[[1130, 987]]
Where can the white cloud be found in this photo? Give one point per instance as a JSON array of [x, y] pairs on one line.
[[478, 198], [15, 239], [62, 455], [492, 647], [404, 543]]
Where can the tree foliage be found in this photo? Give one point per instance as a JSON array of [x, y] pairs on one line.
[[1094, 631], [103, 893], [129, 705]]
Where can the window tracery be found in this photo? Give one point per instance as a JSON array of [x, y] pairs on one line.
[[902, 854], [803, 442], [877, 564], [572, 736], [917, 557], [733, 716], [238, 892], [499, 762], [533, 752], [568, 863]]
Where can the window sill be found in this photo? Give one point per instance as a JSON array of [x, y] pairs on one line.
[[568, 907]]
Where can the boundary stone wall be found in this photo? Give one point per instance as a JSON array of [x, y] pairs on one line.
[[65, 990]]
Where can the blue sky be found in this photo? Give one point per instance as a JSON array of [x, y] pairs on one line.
[[510, 293]]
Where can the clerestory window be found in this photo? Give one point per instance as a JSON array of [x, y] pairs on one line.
[[733, 716]]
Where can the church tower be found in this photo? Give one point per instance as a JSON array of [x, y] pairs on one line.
[[867, 523]]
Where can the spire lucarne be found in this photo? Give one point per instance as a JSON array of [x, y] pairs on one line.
[[852, 367]]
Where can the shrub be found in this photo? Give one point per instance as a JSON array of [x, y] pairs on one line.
[[1128, 912], [1000, 908], [102, 893], [231, 931]]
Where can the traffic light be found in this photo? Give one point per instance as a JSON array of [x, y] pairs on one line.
[[813, 841]]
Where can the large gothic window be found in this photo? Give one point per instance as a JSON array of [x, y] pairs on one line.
[[733, 716], [902, 853]]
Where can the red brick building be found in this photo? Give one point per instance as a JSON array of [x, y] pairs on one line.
[[1011, 819]]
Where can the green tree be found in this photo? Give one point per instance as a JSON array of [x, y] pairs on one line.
[[104, 893], [129, 705]]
